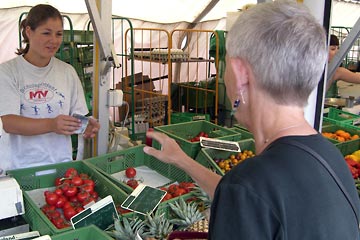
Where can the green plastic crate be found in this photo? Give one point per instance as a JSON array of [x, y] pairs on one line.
[[346, 149], [338, 116], [44, 177], [206, 155], [346, 146], [182, 132], [116, 162], [188, 117], [84, 233], [197, 94]]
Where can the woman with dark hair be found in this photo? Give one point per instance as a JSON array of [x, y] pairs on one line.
[[341, 73], [40, 94]]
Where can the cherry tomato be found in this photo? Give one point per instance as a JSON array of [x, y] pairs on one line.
[[130, 172], [89, 182], [71, 191], [83, 176], [87, 188], [60, 202], [58, 181], [58, 192], [82, 196], [94, 195], [51, 198], [71, 172], [77, 181], [132, 183], [69, 213], [167, 197]]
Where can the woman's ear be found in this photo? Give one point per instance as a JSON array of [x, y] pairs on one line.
[[240, 71], [28, 31]]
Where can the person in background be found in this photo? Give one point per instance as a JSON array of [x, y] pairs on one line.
[[283, 192], [341, 73], [40, 94]]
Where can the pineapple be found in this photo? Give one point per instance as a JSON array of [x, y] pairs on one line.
[[186, 214], [157, 226], [126, 230], [201, 195]]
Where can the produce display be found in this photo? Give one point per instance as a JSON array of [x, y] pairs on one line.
[[73, 191], [234, 159], [197, 137], [340, 135], [353, 162]]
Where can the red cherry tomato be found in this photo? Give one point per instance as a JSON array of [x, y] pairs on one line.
[[77, 181], [71, 172], [87, 188], [51, 198], [58, 181], [82, 196], [71, 191], [132, 183], [89, 182], [130, 172], [60, 202], [69, 212]]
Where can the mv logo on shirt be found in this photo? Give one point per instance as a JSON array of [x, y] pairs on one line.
[[38, 95]]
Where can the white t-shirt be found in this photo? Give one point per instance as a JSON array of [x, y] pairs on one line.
[[39, 92]]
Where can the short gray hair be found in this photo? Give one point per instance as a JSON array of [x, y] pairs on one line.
[[285, 46]]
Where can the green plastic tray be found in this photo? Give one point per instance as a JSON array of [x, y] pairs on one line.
[[347, 146], [198, 94], [115, 162], [338, 116], [188, 117], [182, 132], [206, 155], [84, 233], [44, 177]]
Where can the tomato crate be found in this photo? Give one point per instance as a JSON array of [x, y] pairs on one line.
[[207, 155], [154, 172], [183, 132], [38, 179], [343, 146], [338, 116], [84, 233], [113, 166], [178, 117]]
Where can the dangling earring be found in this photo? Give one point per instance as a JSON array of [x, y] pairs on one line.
[[235, 106], [237, 103]]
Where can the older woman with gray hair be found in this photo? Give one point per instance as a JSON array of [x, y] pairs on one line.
[[298, 185]]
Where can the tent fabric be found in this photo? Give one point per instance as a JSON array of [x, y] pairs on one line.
[[161, 11]]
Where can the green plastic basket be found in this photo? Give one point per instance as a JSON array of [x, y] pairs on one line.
[[346, 149], [44, 177], [206, 155], [116, 162], [338, 116], [188, 117], [84, 233], [197, 94], [347, 146], [182, 132]]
